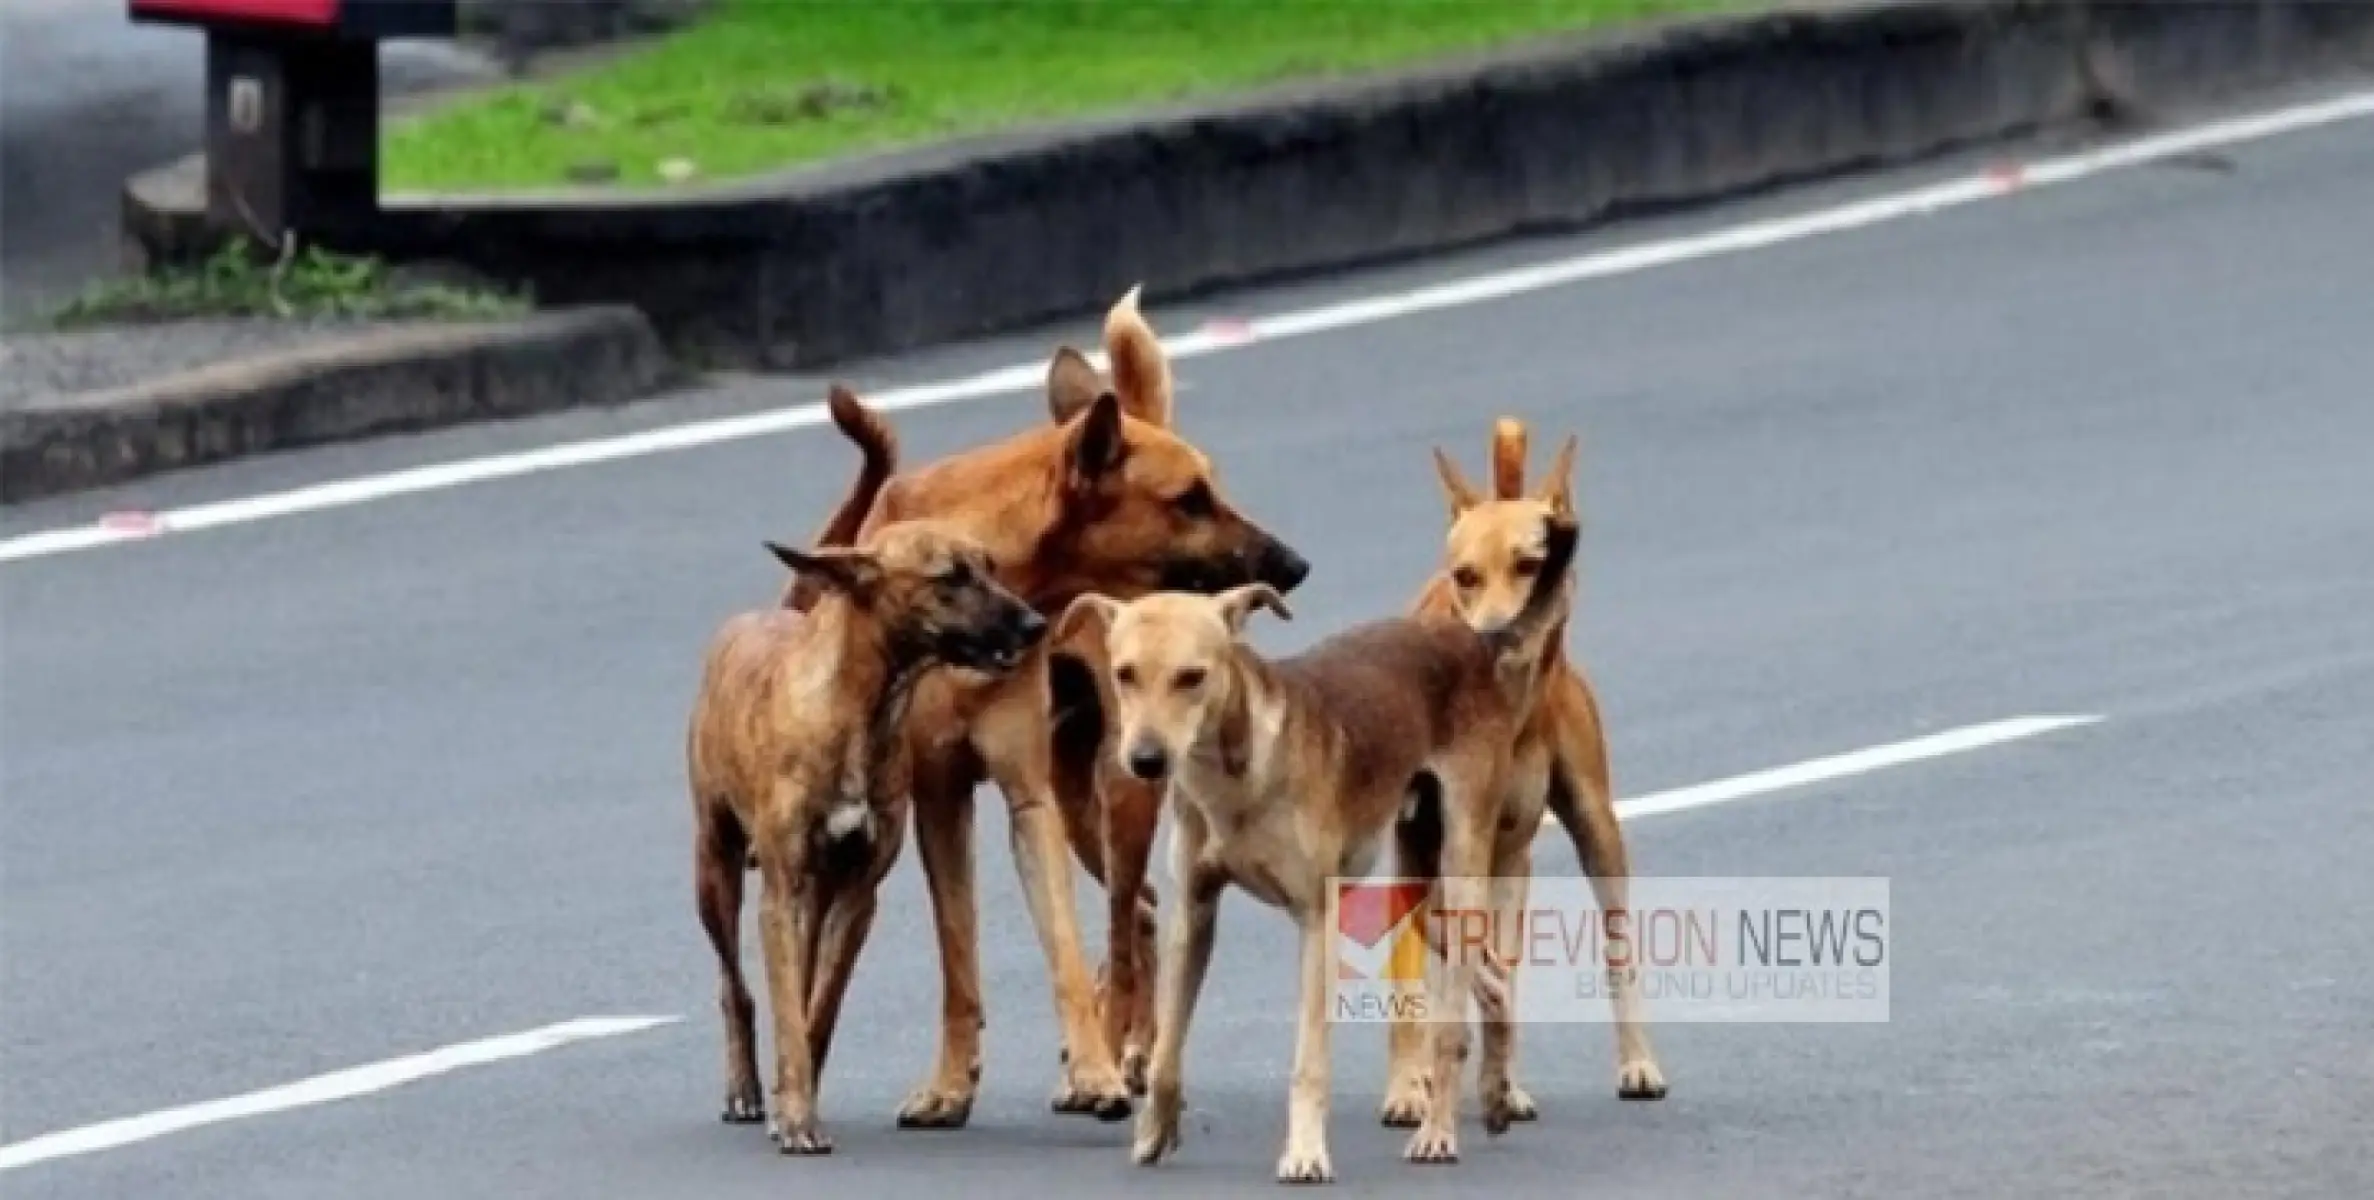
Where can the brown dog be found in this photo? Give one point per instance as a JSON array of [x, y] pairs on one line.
[[1286, 776], [1491, 563], [796, 758], [1105, 498]]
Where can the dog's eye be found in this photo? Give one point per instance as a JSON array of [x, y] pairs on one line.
[[1466, 578], [1126, 676], [1195, 502], [1527, 568], [957, 575], [1188, 680]]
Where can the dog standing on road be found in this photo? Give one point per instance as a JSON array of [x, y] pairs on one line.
[[1491, 562], [1284, 777], [797, 760], [1106, 498]]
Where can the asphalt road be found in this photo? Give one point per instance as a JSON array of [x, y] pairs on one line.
[[88, 98], [294, 795]]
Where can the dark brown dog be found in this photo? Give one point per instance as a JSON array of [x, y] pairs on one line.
[[1106, 498], [796, 757]]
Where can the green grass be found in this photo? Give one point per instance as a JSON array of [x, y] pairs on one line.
[[765, 84], [312, 283]]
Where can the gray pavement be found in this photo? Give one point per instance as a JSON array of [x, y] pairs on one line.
[[295, 795], [87, 98]]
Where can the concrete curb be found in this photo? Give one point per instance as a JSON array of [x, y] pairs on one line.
[[354, 387], [888, 253]]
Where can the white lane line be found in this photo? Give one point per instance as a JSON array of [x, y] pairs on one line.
[[1221, 337], [1838, 766], [321, 1089], [354, 1082]]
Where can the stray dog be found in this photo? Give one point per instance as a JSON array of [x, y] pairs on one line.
[[1104, 498], [1286, 776], [1491, 562], [796, 758]]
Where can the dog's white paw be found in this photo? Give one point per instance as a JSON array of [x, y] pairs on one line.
[[1641, 1080]]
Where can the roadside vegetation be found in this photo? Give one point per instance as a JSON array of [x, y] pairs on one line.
[[312, 283], [765, 84]]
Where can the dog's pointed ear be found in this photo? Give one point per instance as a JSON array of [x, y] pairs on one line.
[[1455, 486], [1238, 603], [1086, 611], [1072, 384], [1508, 459], [846, 570], [1141, 371], [1557, 488], [1096, 444]]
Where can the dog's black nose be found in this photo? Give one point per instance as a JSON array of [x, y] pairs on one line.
[[1148, 762], [1280, 567], [1032, 627]]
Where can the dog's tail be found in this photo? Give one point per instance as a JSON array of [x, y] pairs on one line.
[[1508, 459], [1542, 610], [877, 445]]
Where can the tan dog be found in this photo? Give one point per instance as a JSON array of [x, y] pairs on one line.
[[1490, 564], [1105, 498], [1285, 776], [796, 758]]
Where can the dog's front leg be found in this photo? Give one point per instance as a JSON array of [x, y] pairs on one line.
[[787, 929], [1582, 804], [1496, 1080], [1020, 761], [1305, 1159], [944, 840], [1187, 939], [1132, 813]]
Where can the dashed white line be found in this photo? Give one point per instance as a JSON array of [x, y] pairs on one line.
[[1841, 766], [1225, 336], [356, 1082], [320, 1089]]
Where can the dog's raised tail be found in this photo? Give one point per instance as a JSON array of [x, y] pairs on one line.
[[877, 447]]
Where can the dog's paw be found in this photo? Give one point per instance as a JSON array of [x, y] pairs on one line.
[[802, 1138], [1100, 1094], [1641, 1080], [1133, 1070], [743, 1107], [933, 1108], [1307, 1164], [1405, 1101], [1157, 1134], [1432, 1146], [1073, 1101], [1521, 1107]]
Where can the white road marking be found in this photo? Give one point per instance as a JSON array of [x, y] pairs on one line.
[[1838, 766], [355, 1082], [1225, 336], [321, 1089]]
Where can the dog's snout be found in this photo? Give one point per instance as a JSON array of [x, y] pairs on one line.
[[1148, 762], [1280, 567], [1031, 627]]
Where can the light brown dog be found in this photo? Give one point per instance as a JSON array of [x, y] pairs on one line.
[[796, 759], [1105, 498], [1286, 776], [1491, 564]]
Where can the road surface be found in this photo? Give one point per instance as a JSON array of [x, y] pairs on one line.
[[319, 790]]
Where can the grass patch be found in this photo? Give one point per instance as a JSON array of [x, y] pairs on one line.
[[309, 284], [764, 84]]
